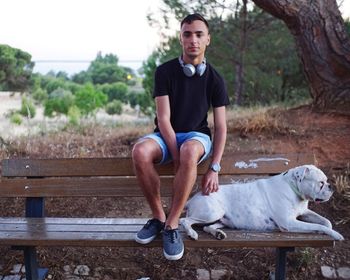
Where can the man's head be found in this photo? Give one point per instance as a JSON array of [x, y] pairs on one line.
[[194, 38], [192, 17]]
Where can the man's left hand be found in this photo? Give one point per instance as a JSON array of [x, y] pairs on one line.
[[210, 182]]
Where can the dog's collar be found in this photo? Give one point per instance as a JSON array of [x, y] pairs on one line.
[[297, 191]]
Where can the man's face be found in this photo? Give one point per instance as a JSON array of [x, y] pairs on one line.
[[194, 39]]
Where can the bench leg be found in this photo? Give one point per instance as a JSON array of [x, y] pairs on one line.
[[35, 207], [31, 265], [281, 260]]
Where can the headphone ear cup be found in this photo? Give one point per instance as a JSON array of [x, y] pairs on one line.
[[201, 69], [189, 70]]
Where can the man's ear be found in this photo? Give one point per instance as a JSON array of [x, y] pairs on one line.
[[208, 43]]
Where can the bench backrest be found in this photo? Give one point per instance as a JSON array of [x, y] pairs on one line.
[[23, 177]]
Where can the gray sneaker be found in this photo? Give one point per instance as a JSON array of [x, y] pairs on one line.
[[149, 231], [173, 246]]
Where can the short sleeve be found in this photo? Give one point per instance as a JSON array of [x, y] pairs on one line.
[[161, 87], [220, 96]]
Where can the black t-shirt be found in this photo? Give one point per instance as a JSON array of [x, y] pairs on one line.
[[190, 97]]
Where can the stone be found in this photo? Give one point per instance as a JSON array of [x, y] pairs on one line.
[[203, 274], [328, 272], [344, 272], [67, 269], [83, 270], [16, 268], [217, 274], [12, 277]]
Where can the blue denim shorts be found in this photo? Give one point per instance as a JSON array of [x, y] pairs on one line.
[[181, 138]]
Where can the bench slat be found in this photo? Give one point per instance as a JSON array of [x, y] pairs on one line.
[[96, 232], [88, 186], [263, 164]]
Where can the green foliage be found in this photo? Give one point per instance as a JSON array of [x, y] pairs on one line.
[[40, 95], [114, 108], [347, 26], [59, 102], [115, 91], [88, 99], [82, 77], [259, 43], [143, 101], [74, 115], [15, 69], [105, 69], [16, 118], [27, 109]]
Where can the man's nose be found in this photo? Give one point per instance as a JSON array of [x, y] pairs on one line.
[[193, 38]]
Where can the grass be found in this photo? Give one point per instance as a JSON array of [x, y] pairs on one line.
[[256, 120], [342, 185]]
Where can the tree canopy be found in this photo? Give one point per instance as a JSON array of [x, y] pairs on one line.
[[15, 69]]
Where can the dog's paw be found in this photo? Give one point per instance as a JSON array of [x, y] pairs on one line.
[[219, 234], [337, 236], [193, 235]]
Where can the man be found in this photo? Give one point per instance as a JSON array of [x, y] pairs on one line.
[[185, 89]]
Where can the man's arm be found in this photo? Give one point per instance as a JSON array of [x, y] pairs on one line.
[[167, 131], [210, 182]]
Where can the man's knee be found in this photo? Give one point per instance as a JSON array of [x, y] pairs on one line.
[[145, 151], [191, 151]]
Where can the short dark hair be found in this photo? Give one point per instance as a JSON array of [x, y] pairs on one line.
[[192, 17]]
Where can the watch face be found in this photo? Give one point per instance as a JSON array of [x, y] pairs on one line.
[[216, 167]]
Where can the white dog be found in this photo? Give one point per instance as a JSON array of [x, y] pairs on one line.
[[264, 204]]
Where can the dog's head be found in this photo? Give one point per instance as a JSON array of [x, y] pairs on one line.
[[312, 183]]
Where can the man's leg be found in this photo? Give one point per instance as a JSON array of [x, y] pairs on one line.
[[190, 153], [145, 153]]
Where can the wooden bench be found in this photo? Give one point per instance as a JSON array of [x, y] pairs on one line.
[[37, 179]]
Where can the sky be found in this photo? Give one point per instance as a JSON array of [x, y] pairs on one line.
[[76, 30]]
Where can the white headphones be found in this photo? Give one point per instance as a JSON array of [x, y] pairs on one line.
[[190, 70]]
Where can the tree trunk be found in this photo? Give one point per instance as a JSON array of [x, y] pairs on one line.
[[240, 63], [323, 47]]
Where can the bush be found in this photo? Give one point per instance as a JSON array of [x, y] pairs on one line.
[[40, 95], [74, 115], [27, 108], [88, 99], [114, 108], [59, 102], [16, 118], [116, 91]]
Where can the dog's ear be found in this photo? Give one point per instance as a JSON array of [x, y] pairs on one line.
[[300, 172]]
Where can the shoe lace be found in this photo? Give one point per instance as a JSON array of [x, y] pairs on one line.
[[172, 235], [148, 224]]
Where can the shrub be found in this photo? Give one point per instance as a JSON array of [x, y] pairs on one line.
[[16, 118], [74, 115], [88, 99], [114, 108], [40, 95], [27, 108], [116, 91], [59, 102]]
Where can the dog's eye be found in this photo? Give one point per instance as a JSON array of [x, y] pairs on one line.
[[321, 185]]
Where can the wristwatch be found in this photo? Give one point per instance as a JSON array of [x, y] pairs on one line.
[[215, 167]]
